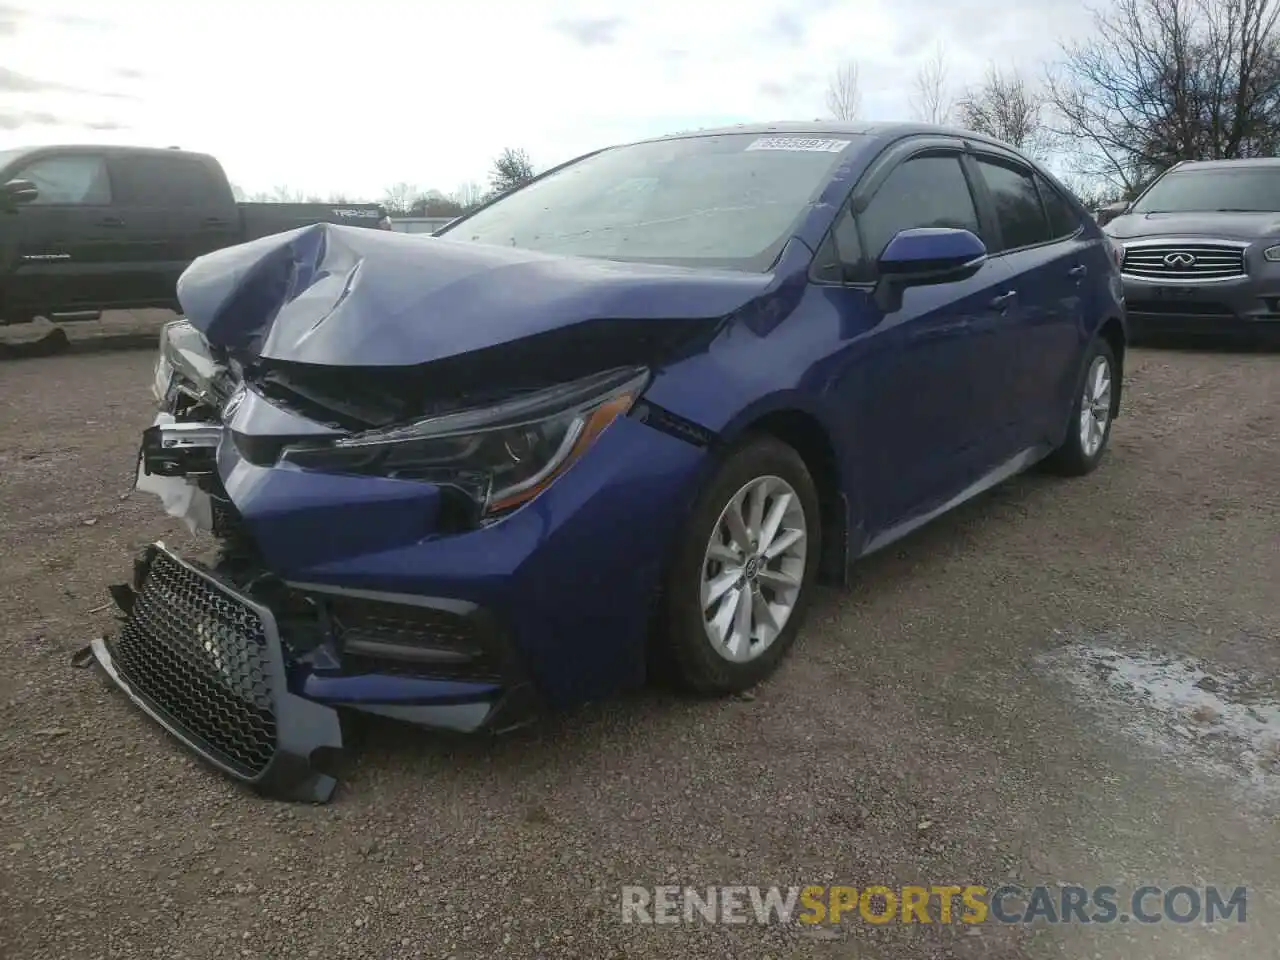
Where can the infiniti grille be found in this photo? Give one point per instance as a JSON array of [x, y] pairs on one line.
[[1184, 261]]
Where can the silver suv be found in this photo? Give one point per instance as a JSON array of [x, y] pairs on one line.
[[1202, 249]]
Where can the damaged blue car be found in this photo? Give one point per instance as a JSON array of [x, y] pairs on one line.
[[618, 421]]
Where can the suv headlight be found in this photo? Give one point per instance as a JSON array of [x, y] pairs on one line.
[[500, 456], [1272, 254]]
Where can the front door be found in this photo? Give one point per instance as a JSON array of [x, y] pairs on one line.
[[66, 240], [914, 377]]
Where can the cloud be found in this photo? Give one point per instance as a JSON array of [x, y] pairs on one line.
[[28, 118], [19, 119], [129, 73], [590, 31], [10, 20], [11, 81], [788, 26], [789, 88]]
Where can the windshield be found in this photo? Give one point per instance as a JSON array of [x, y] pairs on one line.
[[1252, 190], [730, 200]]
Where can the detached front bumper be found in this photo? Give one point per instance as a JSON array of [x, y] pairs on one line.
[[206, 663], [215, 668], [344, 598]]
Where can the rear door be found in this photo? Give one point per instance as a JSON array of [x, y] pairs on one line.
[[65, 241], [175, 210], [1036, 340], [915, 379]]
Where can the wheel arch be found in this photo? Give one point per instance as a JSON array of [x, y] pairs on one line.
[[1112, 331], [805, 433]]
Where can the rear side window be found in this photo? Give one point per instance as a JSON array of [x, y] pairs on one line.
[[69, 179], [928, 191], [1019, 213], [160, 181], [1063, 221]]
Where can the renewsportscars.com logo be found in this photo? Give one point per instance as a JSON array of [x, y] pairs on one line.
[[941, 903]]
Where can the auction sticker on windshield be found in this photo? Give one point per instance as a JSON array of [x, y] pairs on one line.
[[808, 144]]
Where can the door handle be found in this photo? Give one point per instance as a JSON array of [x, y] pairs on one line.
[[1078, 272], [1003, 301], [111, 222], [215, 222]]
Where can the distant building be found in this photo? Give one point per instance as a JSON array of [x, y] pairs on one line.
[[426, 225]]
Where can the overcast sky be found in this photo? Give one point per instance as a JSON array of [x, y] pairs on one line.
[[349, 96]]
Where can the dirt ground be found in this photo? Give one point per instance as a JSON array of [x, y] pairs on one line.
[[1063, 682]]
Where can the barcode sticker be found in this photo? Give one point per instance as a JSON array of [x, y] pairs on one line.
[[808, 144]]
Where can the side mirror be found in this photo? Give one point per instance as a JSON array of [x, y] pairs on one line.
[[20, 191], [1111, 211], [928, 255]]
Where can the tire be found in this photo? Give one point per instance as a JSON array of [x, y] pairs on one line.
[[1075, 457], [759, 465]]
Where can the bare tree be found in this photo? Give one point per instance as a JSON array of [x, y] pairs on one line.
[[280, 194], [1167, 80], [469, 194], [844, 93], [511, 168], [932, 100], [1006, 107], [399, 198]]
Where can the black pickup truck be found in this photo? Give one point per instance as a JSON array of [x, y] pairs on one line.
[[85, 229]]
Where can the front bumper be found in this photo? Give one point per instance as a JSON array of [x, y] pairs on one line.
[[1233, 306], [355, 603]]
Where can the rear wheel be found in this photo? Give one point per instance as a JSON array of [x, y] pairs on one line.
[[739, 587], [1091, 415]]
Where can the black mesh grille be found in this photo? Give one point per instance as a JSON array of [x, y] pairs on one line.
[[201, 658]]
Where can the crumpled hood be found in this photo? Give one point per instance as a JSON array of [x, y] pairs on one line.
[[1227, 226], [344, 296]]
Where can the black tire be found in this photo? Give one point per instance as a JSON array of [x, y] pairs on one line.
[[693, 661], [1072, 459]]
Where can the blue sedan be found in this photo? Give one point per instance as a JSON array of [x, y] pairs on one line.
[[620, 420]]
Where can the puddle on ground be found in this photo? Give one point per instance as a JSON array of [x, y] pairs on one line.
[[1213, 719]]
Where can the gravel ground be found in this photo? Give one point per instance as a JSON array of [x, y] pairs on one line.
[[976, 709]]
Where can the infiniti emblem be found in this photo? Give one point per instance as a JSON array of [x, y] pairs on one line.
[[1180, 260], [752, 569]]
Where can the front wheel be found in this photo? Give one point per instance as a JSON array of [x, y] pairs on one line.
[[1091, 415], [737, 591]]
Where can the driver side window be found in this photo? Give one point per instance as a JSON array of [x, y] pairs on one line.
[[925, 191]]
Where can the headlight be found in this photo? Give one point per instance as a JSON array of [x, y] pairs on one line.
[[1272, 254], [500, 456], [184, 364]]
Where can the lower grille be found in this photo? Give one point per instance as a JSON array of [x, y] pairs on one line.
[[200, 657], [377, 636], [1179, 308]]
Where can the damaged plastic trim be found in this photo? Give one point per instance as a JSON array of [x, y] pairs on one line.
[[308, 734]]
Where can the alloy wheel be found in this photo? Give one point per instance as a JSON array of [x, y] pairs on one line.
[[754, 568], [1095, 407]]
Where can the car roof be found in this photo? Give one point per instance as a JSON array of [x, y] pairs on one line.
[[102, 148], [880, 130], [1265, 163]]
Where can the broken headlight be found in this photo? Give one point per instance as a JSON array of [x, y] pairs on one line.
[[185, 366], [500, 456]]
